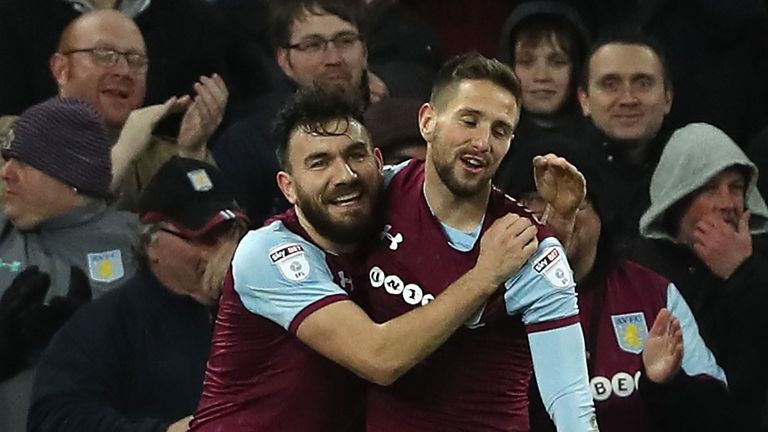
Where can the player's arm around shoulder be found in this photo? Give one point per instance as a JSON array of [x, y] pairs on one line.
[[381, 353]]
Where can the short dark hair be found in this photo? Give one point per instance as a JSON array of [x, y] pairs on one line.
[[545, 27], [282, 14], [474, 66], [311, 110], [628, 38]]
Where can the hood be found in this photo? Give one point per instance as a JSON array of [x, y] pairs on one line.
[[533, 8], [695, 154]]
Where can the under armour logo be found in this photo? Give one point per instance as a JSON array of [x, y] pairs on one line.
[[344, 280], [395, 240]]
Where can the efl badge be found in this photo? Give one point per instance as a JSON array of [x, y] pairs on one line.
[[631, 331], [291, 261], [200, 180], [106, 266], [552, 265]]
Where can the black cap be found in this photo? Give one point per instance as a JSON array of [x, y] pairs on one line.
[[191, 194]]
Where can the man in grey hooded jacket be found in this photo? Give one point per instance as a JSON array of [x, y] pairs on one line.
[[703, 231]]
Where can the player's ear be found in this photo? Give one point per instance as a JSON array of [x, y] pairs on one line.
[[287, 186], [427, 118]]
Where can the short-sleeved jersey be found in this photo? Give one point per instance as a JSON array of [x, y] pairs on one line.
[[478, 380], [617, 313], [260, 376]]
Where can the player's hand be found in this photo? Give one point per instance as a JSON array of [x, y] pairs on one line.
[[663, 351], [722, 248], [506, 246], [559, 183], [181, 425], [203, 116]]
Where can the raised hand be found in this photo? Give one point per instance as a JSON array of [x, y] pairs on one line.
[[137, 132], [722, 248], [663, 351], [506, 246], [559, 183], [203, 116]]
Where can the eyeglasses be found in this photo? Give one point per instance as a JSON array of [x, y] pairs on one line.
[[318, 44], [108, 57]]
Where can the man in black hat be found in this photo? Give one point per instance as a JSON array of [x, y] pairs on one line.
[[134, 359]]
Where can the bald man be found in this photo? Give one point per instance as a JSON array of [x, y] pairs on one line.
[[102, 58]]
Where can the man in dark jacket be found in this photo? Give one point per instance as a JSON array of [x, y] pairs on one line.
[[134, 359]]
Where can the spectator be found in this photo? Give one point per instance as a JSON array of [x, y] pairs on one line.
[[545, 42], [56, 217], [97, 74], [186, 39], [626, 92], [649, 367], [318, 43], [134, 359], [703, 225]]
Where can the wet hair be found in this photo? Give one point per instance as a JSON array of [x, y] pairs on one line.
[[627, 38], [283, 13], [316, 111], [473, 66]]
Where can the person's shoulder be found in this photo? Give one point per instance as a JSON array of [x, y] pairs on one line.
[[273, 243]]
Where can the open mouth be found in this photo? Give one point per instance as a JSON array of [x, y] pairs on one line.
[[473, 164], [347, 199]]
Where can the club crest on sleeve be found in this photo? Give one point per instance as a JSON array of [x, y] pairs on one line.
[[106, 266], [291, 260], [552, 265], [631, 331]]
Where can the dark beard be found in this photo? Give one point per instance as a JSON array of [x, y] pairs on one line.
[[445, 172], [343, 233]]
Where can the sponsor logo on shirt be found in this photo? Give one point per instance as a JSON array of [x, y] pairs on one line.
[[394, 285], [394, 240], [631, 331], [291, 261], [621, 385], [106, 266]]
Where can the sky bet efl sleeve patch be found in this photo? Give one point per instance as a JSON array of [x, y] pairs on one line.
[[552, 265], [291, 260]]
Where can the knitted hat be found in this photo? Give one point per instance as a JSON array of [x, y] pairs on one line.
[[191, 194], [66, 139]]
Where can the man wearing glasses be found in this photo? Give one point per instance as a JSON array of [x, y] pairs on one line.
[[102, 58], [317, 43]]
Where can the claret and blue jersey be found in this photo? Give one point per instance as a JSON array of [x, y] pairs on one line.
[[478, 380]]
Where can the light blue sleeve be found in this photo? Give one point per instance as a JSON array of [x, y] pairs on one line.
[[277, 274], [391, 170], [697, 358], [544, 289], [560, 364]]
